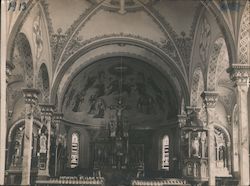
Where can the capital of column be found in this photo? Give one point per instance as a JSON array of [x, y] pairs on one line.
[[182, 120], [210, 98], [47, 109], [190, 109], [239, 74], [57, 117], [31, 95]]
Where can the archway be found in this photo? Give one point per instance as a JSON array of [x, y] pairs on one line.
[[24, 57]]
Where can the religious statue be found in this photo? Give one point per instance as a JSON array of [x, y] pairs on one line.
[[193, 119], [119, 108], [189, 169], [112, 128], [195, 146], [18, 146], [43, 143]]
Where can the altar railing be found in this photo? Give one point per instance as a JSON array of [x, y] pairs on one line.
[[72, 180], [160, 182]]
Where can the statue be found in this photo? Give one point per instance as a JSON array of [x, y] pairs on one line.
[[112, 128], [18, 146], [195, 146], [43, 143], [189, 169]]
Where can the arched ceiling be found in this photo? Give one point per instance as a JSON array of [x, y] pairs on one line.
[[169, 25], [178, 13], [149, 96]]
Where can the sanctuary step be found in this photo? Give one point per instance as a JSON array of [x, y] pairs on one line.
[[72, 180]]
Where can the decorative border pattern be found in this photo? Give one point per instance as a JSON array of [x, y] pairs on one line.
[[244, 38], [213, 62]]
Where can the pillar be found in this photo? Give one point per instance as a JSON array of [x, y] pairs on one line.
[[181, 123], [30, 97], [3, 119], [240, 74], [46, 119], [210, 98], [57, 121]]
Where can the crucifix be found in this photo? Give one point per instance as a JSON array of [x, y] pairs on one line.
[[120, 107]]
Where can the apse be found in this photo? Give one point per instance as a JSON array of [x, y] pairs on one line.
[[148, 95]]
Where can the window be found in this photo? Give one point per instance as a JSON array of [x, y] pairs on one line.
[[165, 153], [74, 150]]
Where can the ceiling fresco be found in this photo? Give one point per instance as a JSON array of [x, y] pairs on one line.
[[148, 96]]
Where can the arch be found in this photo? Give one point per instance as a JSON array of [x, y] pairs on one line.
[[140, 48], [214, 60], [218, 14], [24, 49], [43, 82], [244, 36], [17, 27], [197, 87], [15, 143], [224, 130], [222, 150], [20, 122]]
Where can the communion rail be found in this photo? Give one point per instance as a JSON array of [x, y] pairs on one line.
[[69, 180], [161, 182]]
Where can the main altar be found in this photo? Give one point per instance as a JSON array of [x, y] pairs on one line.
[[115, 157]]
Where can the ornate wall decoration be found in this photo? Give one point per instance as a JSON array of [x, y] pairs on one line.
[[213, 63], [205, 37], [37, 35], [76, 43], [197, 87], [43, 83], [59, 40], [244, 36], [24, 50], [184, 44]]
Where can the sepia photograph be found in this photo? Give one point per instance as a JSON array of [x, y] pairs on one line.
[[125, 93]]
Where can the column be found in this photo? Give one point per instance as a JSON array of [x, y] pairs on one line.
[[57, 121], [46, 119], [31, 97], [210, 98], [181, 123], [3, 119], [240, 76]]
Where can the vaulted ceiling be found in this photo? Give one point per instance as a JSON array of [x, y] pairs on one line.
[[176, 37]]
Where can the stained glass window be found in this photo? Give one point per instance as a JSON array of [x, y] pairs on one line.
[[165, 153], [74, 150]]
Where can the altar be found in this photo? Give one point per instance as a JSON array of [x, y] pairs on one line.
[[115, 157]]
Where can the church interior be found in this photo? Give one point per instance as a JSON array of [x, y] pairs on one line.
[[125, 92]]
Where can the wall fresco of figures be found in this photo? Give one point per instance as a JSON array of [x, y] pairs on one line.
[[148, 95]]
